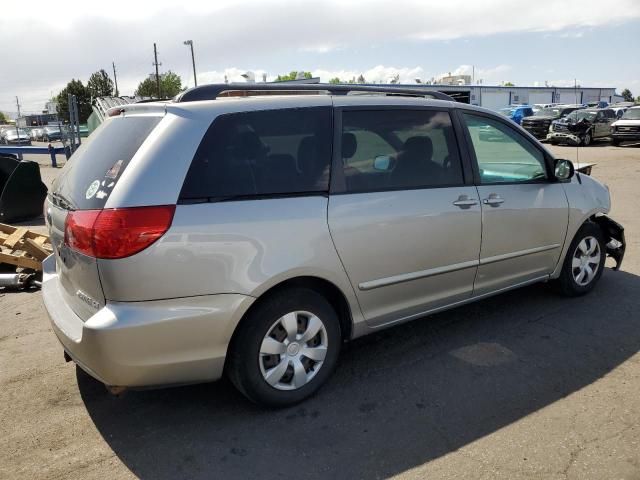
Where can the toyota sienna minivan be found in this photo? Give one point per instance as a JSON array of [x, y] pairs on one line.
[[252, 235]]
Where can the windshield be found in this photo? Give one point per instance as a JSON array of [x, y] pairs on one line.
[[12, 131], [579, 115], [632, 114], [507, 112]]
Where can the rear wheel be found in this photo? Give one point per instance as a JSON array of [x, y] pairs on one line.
[[584, 263], [286, 348]]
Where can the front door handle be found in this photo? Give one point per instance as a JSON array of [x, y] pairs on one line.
[[465, 202], [493, 199]]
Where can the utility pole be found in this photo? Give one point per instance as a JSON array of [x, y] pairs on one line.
[[115, 78], [155, 62], [193, 61], [17, 105]]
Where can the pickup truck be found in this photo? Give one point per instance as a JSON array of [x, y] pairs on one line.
[[538, 124], [627, 129]]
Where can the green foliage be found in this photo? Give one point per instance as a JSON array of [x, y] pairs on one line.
[[627, 95], [74, 87], [293, 75], [361, 79], [509, 84], [170, 86], [335, 80], [3, 118], [100, 84]]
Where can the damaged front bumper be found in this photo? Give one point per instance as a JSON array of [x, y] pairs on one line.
[[614, 237], [564, 138]]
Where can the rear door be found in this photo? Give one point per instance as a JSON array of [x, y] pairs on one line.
[[524, 211], [85, 183], [405, 223]]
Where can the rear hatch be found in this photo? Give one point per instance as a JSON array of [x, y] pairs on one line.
[[83, 186]]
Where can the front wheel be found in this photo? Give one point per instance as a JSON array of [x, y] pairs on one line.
[[615, 142], [587, 139], [584, 262], [286, 348]]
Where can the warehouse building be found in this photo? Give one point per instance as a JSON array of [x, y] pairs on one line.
[[496, 97]]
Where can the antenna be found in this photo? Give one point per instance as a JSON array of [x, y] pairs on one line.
[[115, 78]]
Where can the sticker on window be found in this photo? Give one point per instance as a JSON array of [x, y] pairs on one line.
[[114, 170], [93, 188]]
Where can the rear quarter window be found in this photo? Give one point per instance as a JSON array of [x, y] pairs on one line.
[[269, 152], [94, 169]]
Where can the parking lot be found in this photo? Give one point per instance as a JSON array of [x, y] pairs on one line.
[[523, 385]]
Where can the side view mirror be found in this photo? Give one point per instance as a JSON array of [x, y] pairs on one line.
[[382, 163], [564, 169]]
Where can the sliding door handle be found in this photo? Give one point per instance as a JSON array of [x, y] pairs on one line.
[[465, 202]]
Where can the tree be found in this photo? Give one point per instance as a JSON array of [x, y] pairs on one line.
[[335, 80], [3, 118], [627, 95], [395, 79], [100, 85], [361, 79], [83, 98], [170, 86], [509, 84], [293, 75]]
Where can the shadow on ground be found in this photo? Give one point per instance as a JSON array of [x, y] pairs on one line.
[[399, 398]]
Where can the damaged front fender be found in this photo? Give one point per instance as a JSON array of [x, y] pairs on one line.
[[614, 236]]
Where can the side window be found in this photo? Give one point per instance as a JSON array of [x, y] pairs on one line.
[[395, 149], [261, 153], [503, 154]]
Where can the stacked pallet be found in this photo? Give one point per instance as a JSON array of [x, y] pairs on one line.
[[23, 248]]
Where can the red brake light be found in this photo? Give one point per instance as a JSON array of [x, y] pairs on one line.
[[118, 232]]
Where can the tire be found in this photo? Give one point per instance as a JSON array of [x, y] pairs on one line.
[[615, 142], [587, 139], [270, 378], [570, 282]]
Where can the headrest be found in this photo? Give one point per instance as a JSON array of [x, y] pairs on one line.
[[349, 145]]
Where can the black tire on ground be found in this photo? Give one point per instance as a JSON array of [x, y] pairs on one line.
[[615, 142], [567, 284], [243, 362]]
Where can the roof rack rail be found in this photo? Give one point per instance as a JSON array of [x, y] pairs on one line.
[[213, 91]]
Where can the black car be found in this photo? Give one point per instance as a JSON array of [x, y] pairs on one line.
[[538, 124]]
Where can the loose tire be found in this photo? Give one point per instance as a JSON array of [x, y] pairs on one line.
[[584, 263], [286, 348]]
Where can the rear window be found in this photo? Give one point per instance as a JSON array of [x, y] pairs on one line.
[[94, 169], [271, 152]]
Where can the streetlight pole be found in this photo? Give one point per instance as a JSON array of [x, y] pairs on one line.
[[193, 61]]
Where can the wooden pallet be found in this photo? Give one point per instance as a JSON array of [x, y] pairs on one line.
[[23, 248]]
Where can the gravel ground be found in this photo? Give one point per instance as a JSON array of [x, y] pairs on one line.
[[524, 385]]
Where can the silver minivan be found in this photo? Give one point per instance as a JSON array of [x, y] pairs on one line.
[[253, 234]]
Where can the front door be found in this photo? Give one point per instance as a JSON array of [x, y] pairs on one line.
[[524, 211], [404, 223]]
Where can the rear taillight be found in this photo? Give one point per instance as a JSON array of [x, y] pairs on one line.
[[118, 232]]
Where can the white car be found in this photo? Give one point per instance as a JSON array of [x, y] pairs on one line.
[[627, 129]]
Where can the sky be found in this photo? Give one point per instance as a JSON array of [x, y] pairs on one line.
[[524, 42]]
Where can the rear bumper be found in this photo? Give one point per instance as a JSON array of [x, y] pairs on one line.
[[143, 344]]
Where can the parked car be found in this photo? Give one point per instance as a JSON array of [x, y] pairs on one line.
[[582, 127], [15, 136], [619, 111], [52, 133], [200, 237], [598, 104], [539, 106], [36, 133], [517, 112], [627, 129], [538, 124]]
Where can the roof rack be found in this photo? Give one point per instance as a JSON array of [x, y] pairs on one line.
[[213, 91]]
